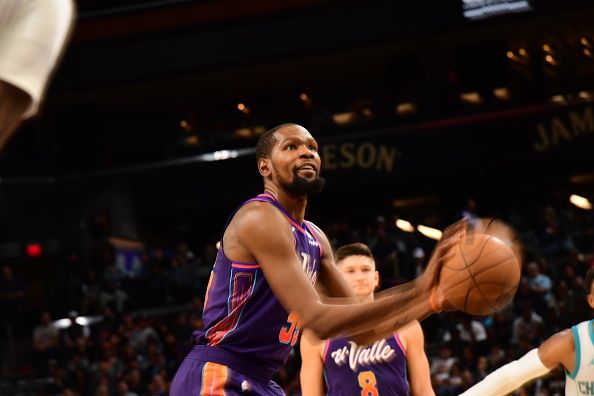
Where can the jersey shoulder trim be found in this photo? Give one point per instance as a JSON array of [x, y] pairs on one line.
[[578, 354]]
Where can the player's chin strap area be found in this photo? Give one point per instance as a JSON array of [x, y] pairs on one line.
[[510, 377]]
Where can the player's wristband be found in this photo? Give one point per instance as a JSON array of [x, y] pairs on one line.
[[435, 306]]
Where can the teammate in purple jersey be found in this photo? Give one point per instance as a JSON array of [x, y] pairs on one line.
[[261, 289], [340, 367]]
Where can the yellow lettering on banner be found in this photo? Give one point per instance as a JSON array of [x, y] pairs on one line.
[[387, 158], [348, 158], [329, 156], [584, 124], [366, 155], [561, 131], [543, 144]]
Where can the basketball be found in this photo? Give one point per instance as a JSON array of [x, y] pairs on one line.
[[482, 276]]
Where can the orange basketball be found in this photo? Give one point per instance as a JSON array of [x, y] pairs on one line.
[[483, 275]]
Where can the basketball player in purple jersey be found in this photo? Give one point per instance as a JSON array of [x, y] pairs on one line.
[[377, 369], [261, 289]]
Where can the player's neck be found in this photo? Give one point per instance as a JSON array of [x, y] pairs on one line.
[[294, 204]]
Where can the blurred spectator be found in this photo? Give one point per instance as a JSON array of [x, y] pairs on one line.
[[529, 325], [46, 341], [74, 333], [418, 255], [157, 386], [57, 378], [123, 390], [385, 251], [141, 333], [135, 383], [551, 240], [469, 331], [441, 364], [540, 285], [565, 304], [12, 293], [112, 293], [91, 293]]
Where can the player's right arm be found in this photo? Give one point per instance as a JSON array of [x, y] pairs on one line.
[[32, 36], [259, 232], [312, 365], [14, 102], [416, 360], [558, 349]]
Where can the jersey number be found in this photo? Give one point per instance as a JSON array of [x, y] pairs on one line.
[[290, 333], [367, 382]]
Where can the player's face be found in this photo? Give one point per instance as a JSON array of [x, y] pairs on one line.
[[296, 162], [360, 273]]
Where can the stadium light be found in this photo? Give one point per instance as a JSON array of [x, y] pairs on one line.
[[405, 225], [429, 232], [580, 202]]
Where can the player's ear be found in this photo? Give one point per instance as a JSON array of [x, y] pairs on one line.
[[264, 167], [590, 299], [376, 280]]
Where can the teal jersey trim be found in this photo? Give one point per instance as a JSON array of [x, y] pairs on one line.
[[578, 353]]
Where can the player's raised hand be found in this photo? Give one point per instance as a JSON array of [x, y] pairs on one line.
[[428, 282]]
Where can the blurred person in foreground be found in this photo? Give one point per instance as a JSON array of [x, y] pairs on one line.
[[32, 36]]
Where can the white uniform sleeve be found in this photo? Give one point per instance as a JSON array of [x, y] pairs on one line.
[[510, 377], [32, 35]]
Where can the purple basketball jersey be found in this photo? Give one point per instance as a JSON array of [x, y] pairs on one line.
[[242, 316], [379, 369]]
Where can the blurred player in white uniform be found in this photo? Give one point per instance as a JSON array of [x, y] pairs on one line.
[[32, 37], [571, 348]]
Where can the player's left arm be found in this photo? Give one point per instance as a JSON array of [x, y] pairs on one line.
[[312, 364], [416, 360]]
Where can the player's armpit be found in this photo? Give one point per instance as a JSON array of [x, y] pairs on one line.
[[331, 285], [558, 349], [264, 233]]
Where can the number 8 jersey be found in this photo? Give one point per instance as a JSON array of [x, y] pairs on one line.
[[375, 370], [242, 315]]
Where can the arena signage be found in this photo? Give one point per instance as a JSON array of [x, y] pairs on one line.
[[568, 127], [361, 155], [481, 9]]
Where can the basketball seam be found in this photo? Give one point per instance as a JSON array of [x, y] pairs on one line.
[[482, 248]]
